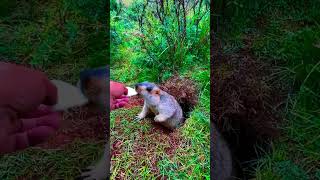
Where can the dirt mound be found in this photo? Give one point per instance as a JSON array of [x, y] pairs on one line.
[[243, 100], [134, 101], [78, 123], [145, 147], [184, 90]]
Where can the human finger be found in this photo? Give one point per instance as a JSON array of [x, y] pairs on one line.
[[52, 120]]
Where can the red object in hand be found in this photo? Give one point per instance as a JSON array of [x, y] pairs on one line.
[[118, 93], [23, 90]]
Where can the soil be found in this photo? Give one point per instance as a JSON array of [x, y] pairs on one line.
[[142, 149], [78, 123], [244, 100], [87, 125], [134, 101]]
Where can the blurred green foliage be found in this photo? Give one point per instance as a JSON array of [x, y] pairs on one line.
[[286, 34], [45, 33]]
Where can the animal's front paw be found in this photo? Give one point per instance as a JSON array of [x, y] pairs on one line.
[[93, 173], [139, 117], [159, 118]]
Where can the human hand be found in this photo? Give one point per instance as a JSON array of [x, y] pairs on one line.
[[23, 90], [118, 93]]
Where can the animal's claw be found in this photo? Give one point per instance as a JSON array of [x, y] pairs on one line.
[[138, 118]]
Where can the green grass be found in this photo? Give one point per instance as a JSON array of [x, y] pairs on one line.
[[286, 38], [60, 38], [143, 149], [63, 163], [54, 32], [299, 59], [145, 152], [191, 158]]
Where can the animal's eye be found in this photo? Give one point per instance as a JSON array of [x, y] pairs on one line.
[[149, 89]]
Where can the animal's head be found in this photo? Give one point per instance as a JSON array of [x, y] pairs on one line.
[[93, 83], [149, 91], [93, 77]]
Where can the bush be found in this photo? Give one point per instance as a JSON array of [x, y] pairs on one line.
[[159, 42]]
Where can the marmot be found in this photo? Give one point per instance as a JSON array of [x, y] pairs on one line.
[[167, 110], [93, 84], [223, 164]]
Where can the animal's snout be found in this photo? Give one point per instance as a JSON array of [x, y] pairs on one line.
[[144, 86], [97, 73]]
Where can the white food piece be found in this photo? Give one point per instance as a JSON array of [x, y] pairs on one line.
[[68, 96], [131, 91]]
